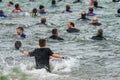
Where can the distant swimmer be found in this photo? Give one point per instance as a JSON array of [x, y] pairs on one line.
[[99, 35], [42, 9], [95, 22], [32, 0], [34, 12], [43, 20], [67, 9], [2, 14], [71, 28], [20, 32], [55, 35], [18, 44], [91, 3], [77, 1], [0, 0], [83, 16], [42, 55], [17, 9], [53, 3], [90, 12], [10, 3], [118, 13], [96, 5], [115, 0]]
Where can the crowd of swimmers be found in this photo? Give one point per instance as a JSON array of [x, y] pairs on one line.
[[46, 52]]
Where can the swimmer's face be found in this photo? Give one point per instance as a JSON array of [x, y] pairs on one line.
[[95, 21], [19, 31], [69, 25]]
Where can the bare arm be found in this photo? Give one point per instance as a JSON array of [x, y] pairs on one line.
[[26, 53], [57, 56]]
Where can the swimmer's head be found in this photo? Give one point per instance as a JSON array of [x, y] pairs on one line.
[[20, 30], [18, 44], [0, 0], [118, 11], [83, 14], [1, 12], [55, 32], [100, 32], [41, 7], [95, 3], [70, 25], [10, 3], [53, 1], [34, 10], [42, 42], [17, 5], [67, 7], [91, 10], [94, 20], [43, 20]]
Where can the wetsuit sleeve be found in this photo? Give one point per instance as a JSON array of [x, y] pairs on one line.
[[50, 52], [32, 53]]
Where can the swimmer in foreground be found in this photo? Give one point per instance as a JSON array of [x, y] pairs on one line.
[[90, 12], [20, 32], [83, 16], [55, 35], [10, 3], [2, 15], [118, 13], [17, 9], [99, 35], [71, 28], [95, 22], [96, 5], [42, 9], [42, 55], [67, 9], [77, 1]]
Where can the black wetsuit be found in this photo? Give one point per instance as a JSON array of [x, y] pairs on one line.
[[77, 1], [42, 57], [72, 30], [96, 24], [98, 38], [117, 15], [115, 0], [83, 19], [98, 7], [56, 37]]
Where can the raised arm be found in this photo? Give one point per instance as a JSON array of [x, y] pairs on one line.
[[26, 53]]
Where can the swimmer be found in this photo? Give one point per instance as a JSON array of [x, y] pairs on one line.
[[53, 3], [55, 35], [17, 9], [20, 32], [67, 9], [115, 0], [71, 28], [96, 5], [42, 9], [83, 16], [118, 13], [95, 22], [43, 20], [0, 0], [99, 35], [32, 0], [91, 2], [10, 3], [90, 12], [2, 15], [18, 44], [77, 1], [34, 12], [42, 55]]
